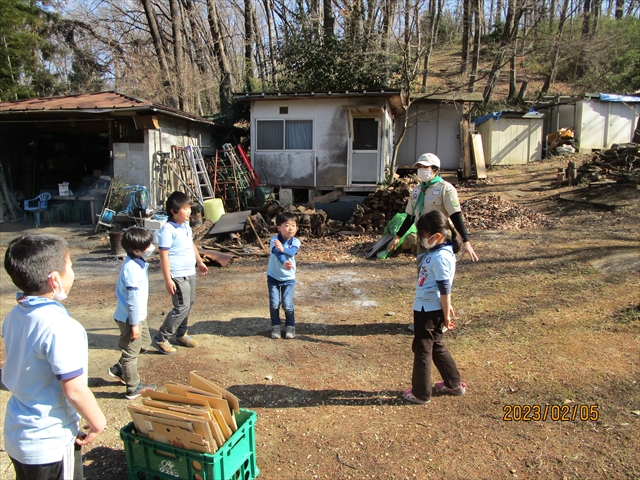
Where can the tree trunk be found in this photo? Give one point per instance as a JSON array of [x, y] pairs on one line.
[[248, 45], [268, 9], [435, 13], [586, 19], [619, 9], [221, 56], [178, 52], [388, 17], [159, 48], [508, 36], [512, 72], [556, 49], [466, 33], [597, 5], [475, 56], [328, 20], [260, 53]]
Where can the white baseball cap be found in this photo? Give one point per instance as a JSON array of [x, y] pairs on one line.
[[428, 160]]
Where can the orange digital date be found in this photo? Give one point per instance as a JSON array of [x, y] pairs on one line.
[[556, 413]]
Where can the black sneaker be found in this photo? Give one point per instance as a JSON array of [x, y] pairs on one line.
[[116, 372], [139, 389]]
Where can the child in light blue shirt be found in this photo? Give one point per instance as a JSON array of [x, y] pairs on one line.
[[46, 365], [433, 311], [132, 292], [179, 258], [281, 274]]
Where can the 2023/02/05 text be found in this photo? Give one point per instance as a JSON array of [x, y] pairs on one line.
[[556, 413]]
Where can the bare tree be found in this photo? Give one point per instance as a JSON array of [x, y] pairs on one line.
[[248, 45], [221, 56], [557, 44], [158, 45], [509, 34], [475, 56]]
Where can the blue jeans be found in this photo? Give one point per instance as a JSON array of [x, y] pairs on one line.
[[278, 290]]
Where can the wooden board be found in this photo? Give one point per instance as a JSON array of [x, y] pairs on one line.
[[478, 155]]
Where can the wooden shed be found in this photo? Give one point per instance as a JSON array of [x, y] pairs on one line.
[[511, 138], [80, 138]]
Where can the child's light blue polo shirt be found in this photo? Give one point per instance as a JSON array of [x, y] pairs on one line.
[[437, 264], [276, 268], [132, 291], [179, 241], [44, 345]]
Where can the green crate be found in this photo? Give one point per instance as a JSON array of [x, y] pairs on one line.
[[235, 460]]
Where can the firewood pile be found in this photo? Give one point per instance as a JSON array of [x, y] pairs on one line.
[[621, 164], [492, 212], [372, 214], [311, 223]]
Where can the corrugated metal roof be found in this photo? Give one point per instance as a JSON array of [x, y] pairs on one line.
[[92, 103], [100, 101], [393, 96]]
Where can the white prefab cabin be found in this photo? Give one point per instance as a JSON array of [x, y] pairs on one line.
[[322, 140]]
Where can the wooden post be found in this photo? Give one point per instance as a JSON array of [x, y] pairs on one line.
[[256, 233], [464, 141], [572, 172]]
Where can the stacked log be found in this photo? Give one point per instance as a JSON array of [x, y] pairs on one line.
[[621, 164], [375, 211]]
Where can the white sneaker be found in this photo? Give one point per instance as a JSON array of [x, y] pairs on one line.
[[275, 331]]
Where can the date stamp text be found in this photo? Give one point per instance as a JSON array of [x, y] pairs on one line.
[[556, 413]]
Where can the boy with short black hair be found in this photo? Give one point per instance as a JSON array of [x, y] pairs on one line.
[[132, 292], [46, 365], [281, 274], [178, 259]]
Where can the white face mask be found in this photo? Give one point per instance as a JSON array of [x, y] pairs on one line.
[[149, 251], [60, 296], [426, 244], [425, 174]]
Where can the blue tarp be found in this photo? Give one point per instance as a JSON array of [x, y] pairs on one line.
[[484, 118], [611, 97]]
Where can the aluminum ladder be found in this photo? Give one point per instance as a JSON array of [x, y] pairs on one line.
[[204, 189]]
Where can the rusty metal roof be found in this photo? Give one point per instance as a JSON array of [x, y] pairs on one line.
[[92, 102]]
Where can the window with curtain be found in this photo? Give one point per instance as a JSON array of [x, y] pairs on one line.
[[298, 135], [270, 135], [285, 134]]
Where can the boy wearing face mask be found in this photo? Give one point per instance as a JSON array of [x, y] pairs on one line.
[[46, 365], [433, 193], [132, 292]]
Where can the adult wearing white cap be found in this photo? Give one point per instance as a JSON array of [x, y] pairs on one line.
[[433, 193]]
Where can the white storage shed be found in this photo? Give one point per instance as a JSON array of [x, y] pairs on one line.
[[598, 120], [511, 138], [434, 126]]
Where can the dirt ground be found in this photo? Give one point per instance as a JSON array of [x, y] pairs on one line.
[[548, 317]]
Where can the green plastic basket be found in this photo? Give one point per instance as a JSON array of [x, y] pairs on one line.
[[235, 460]]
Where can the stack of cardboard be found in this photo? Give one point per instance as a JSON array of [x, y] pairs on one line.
[[198, 417]]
